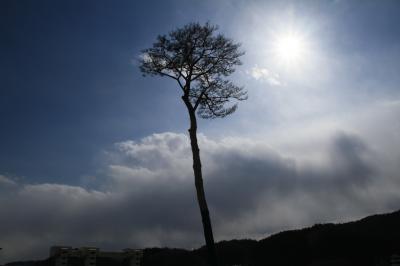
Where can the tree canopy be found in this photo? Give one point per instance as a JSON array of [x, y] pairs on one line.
[[199, 60]]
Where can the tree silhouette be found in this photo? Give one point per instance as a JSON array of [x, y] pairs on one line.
[[199, 60]]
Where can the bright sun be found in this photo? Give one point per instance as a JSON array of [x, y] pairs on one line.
[[290, 48]]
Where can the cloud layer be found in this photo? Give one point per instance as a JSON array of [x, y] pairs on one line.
[[145, 195]]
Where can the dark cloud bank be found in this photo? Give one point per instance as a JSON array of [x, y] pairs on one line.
[[145, 195]]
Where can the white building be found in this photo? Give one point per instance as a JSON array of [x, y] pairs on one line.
[[64, 256]]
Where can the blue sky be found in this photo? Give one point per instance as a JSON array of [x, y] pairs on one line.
[[79, 121], [70, 88]]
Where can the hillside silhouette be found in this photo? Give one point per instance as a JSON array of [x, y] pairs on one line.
[[369, 241]]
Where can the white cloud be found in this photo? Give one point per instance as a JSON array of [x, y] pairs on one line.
[[5, 181], [263, 74]]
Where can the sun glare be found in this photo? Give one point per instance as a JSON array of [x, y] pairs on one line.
[[290, 48]]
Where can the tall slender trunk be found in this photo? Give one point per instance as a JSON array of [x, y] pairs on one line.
[[198, 179]]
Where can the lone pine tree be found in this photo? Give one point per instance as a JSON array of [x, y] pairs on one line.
[[199, 60]]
